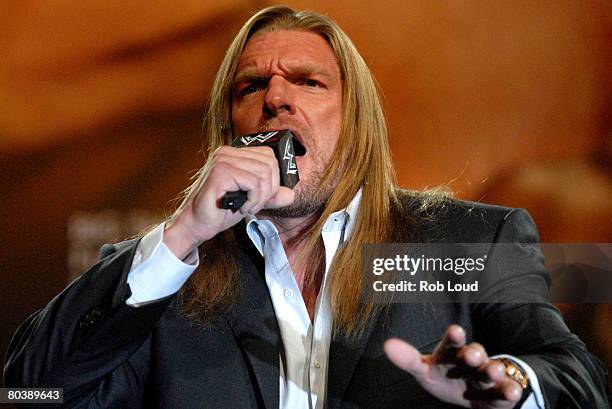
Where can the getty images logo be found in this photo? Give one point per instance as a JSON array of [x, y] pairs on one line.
[[261, 137]]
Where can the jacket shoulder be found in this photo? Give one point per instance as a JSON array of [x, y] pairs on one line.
[[440, 217]]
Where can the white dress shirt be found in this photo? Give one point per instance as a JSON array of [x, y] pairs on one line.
[[156, 273], [303, 373]]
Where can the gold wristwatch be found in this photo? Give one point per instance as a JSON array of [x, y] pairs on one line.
[[515, 372]]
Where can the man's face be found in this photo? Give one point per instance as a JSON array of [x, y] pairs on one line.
[[290, 79]]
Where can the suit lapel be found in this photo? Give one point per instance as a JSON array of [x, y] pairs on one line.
[[407, 321], [343, 357], [254, 324]]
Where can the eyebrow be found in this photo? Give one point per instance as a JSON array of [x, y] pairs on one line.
[[247, 76], [250, 75]]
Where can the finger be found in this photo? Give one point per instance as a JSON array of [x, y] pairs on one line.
[[270, 185], [454, 338], [266, 154], [512, 391], [473, 355], [482, 379], [262, 167], [260, 150], [468, 361], [256, 197], [254, 159], [505, 393], [253, 152], [266, 171], [258, 186], [234, 179], [263, 163], [488, 375], [406, 357]]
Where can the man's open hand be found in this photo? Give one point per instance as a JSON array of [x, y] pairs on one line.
[[457, 373]]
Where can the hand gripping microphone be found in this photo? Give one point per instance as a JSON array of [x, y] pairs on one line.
[[285, 149]]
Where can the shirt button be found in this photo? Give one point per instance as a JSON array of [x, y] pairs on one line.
[[288, 292], [317, 363]]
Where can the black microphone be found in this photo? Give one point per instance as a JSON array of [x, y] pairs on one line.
[[285, 149]]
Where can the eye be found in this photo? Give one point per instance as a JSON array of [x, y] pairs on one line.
[[252, 87], [249, 89], [311, 83]]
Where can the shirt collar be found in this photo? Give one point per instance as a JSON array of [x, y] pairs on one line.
[[343, 220]]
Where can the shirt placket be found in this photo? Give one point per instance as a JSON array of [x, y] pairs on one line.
[[293, 321]]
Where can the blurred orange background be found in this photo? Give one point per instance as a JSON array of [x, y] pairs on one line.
[[101, 107]]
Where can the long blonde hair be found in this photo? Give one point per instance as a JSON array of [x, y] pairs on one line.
[[362, 157]]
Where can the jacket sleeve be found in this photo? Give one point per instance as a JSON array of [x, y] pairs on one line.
[[87, 340], [516, 318]]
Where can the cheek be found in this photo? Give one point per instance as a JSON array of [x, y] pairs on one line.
[[237, 111], [246, 109], [240, 119], [334, 128]]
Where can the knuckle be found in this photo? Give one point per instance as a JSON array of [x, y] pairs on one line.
[[478, 346], [263, 183], [249, 181], [221, 165], [223, 151], [267, 150], [271, 168]]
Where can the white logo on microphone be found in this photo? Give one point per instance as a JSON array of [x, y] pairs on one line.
[[262, 137], [288, 156]]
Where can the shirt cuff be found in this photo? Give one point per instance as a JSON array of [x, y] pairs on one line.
[[156, 272], [536, 400]]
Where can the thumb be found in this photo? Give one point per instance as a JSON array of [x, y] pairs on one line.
[[284, 197], [406, 357]]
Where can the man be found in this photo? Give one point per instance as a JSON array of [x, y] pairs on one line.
[[273, 314]]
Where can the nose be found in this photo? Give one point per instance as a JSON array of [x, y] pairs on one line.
[[278, 97]]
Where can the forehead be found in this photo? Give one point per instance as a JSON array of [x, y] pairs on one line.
[[287, 49]]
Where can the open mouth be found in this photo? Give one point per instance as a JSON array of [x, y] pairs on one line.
[[299, 149]]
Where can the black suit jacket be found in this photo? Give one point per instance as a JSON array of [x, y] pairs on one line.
[[107, 354]]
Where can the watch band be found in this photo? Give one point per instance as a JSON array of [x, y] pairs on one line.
[[514, 371]]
